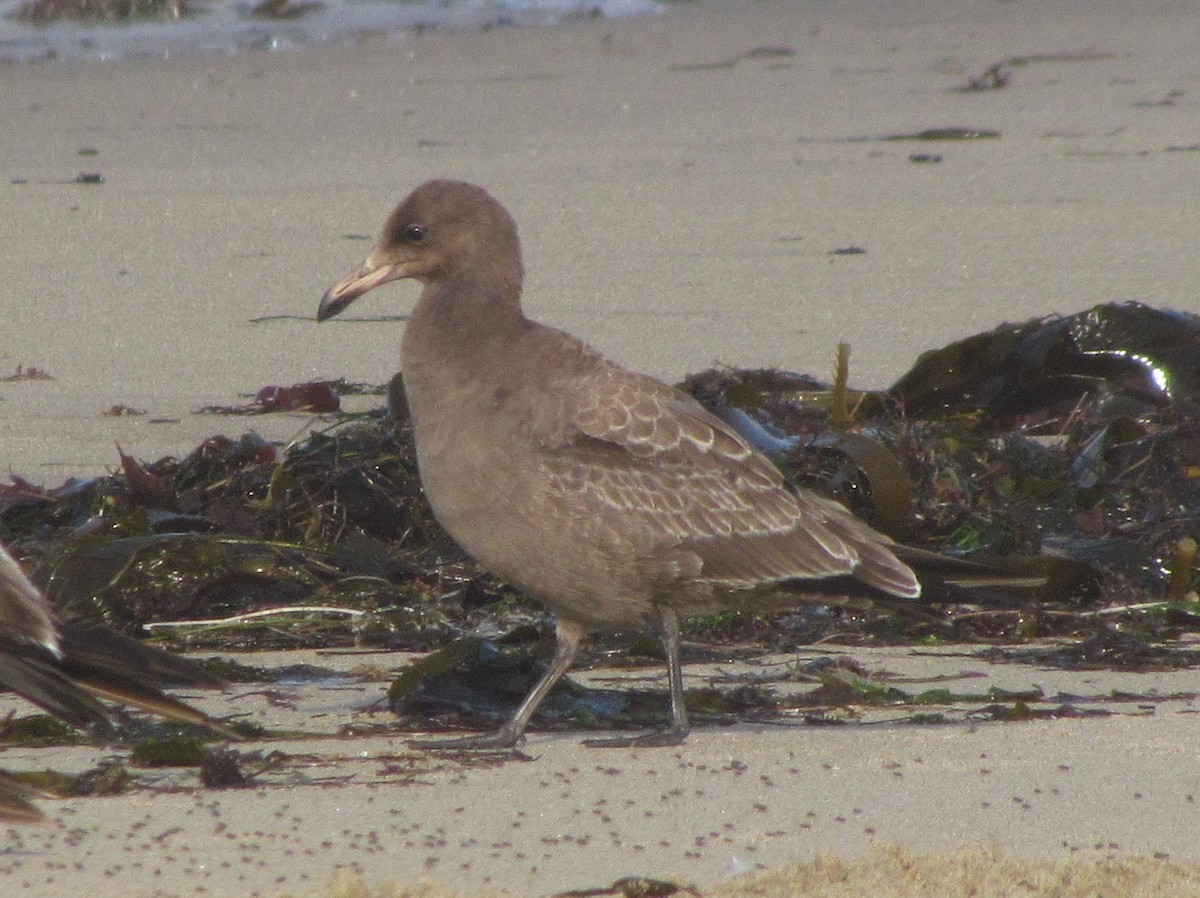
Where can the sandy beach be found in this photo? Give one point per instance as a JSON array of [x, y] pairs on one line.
[[681, 183], [679, 196], [731, 803]]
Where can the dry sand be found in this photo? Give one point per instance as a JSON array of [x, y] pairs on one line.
[[679, 199]]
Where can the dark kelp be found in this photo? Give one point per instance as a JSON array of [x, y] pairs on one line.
[[1067, 446]]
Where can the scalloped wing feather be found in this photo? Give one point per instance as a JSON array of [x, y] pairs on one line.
[[666, 473]]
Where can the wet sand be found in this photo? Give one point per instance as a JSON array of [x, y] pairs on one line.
[[680, 196]]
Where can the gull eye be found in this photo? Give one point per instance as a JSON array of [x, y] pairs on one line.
[[413, 234]]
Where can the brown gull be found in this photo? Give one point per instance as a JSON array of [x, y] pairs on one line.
[[616, 500]]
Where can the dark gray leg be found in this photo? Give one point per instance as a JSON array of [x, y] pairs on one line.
[[568, 635], [679, 728]]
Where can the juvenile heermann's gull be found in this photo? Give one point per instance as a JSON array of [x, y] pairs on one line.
[[616, 500]]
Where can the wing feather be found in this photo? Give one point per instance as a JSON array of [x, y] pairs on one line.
[[655, 462], [24, 611]]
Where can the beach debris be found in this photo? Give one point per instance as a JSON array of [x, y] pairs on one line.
[[950, 133], [778, 51], [1181, 569], [633, 887], [283, 9], [1077, 436], [472, 683], [764, 52], [144, 489], [999, 74], [318, 397], [43, 12], [222, 768], [1170, 98], [26, 372], [1124, 355], [993, 78], [167, 751], [1088, 55], [872, 467]]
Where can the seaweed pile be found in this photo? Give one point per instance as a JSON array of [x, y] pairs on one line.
[[1067, 446]]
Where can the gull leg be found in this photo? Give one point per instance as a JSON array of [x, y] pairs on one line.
[[568, 635], [679, 727]]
